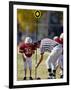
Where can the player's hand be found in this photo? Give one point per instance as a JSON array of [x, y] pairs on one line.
[[21, 51]]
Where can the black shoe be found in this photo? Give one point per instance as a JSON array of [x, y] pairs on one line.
[[30, 78], [51, 76], [61, 76], [24, 78], [38, 78]]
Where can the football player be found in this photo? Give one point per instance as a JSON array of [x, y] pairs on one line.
[[60, 59], [55, 48], [27, 48]]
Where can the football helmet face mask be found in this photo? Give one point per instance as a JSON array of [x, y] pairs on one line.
[[28, 40]]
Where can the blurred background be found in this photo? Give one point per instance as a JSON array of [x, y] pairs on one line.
[[48, 24]]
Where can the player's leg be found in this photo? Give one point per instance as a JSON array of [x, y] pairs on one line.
[[50, 67], [56, 52], [25, 66], [51, 62], [60, 63], [25, 69], [30, 68]]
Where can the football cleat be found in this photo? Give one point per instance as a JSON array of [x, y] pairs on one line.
[[24, 78], [61, 76], [38, 78], [30, 78]]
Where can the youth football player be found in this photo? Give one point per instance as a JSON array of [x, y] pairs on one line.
[[27, 48]]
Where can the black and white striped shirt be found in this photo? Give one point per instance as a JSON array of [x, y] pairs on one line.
[[47, 45]]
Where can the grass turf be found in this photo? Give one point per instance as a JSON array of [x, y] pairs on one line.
[[41, 70]]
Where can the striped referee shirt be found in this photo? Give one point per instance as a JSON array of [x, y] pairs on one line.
[[47, 45]]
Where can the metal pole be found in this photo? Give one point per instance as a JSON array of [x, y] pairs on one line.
[[36, 50], [37, 15]]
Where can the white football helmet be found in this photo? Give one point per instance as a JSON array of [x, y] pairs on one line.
[[55, 37], [61, 36], [28, 40]]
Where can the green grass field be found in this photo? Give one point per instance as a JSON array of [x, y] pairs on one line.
[[41, 70]]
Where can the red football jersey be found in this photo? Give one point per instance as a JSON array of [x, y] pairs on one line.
[[27, 49]]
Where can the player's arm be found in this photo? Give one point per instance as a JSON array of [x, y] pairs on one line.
[[21, 49], [37, 44], [34, 47], [41, 59]]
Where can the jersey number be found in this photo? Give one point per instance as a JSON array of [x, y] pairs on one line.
[[28, 51]]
